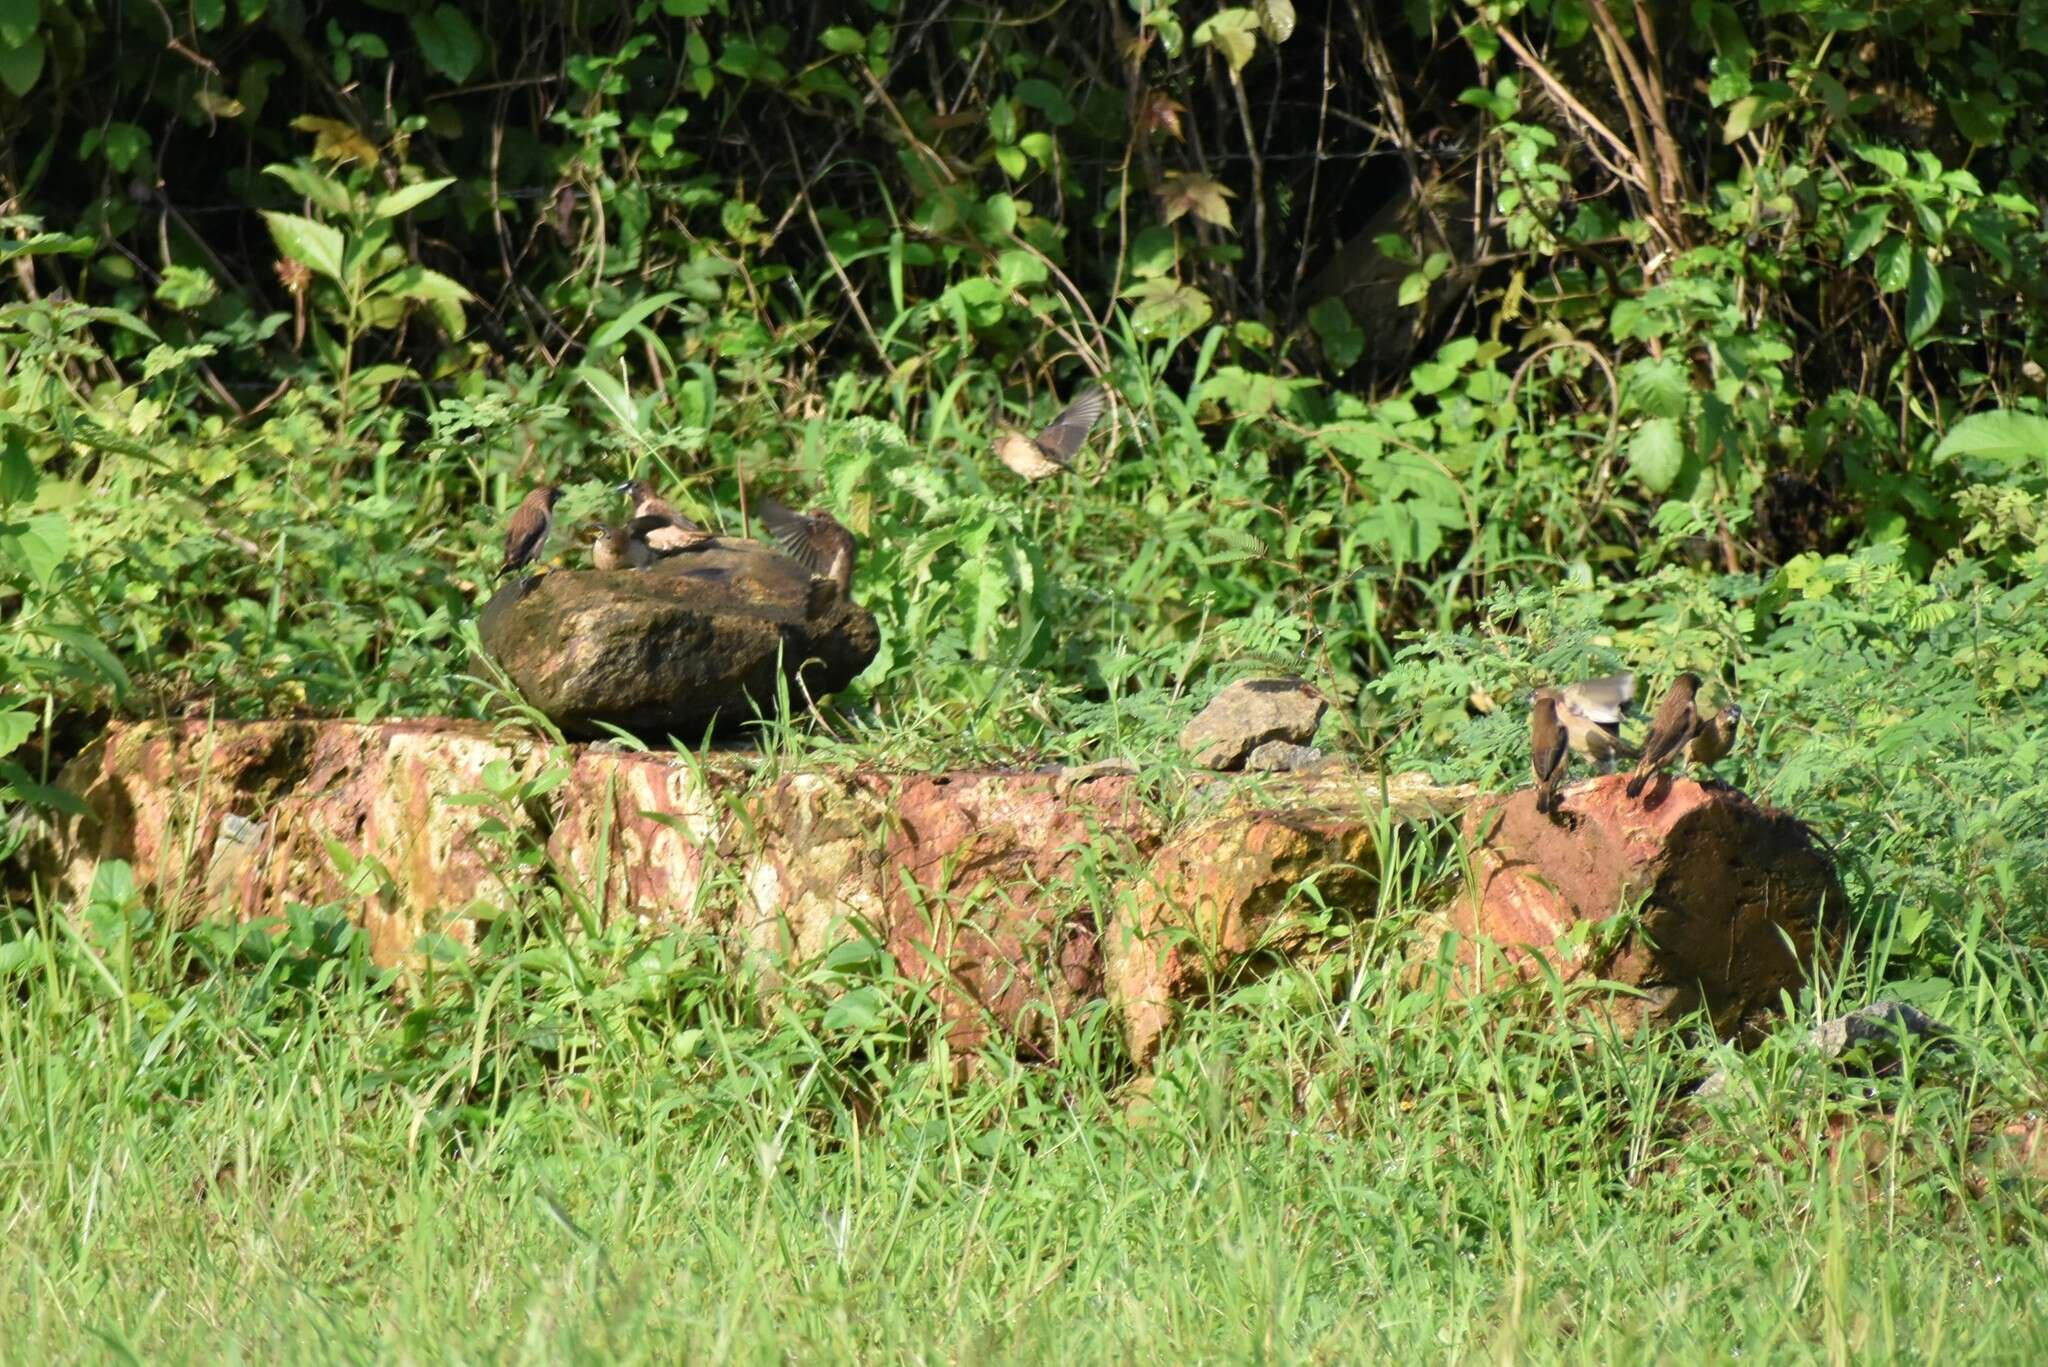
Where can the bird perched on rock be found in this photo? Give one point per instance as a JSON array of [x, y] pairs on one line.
[[816, 541], [528, 531], [1549, 750], [1591, 711], [1053, 449], [667, 530], [1716, 737], [625, 548], [1671, 730]]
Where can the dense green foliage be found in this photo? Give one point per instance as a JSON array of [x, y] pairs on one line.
[[1457, 348]]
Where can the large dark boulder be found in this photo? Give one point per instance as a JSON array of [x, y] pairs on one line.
[[700, 639]]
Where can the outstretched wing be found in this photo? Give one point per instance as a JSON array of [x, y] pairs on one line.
[[1602, 701], [795, 533], [1063, 437]]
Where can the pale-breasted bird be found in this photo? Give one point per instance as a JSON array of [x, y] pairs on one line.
[[1716, 736], [816, 541], [528, 531], [672, 531], [1053, 449], [1671, 730], [1591, 712], [1549, 750]]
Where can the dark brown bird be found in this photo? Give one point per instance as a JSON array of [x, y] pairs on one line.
[[1671, 730], [1053, 449], [816, 541], [667, 529], [1716, 737], [1591, 712], [528, 531], [1549, 750]]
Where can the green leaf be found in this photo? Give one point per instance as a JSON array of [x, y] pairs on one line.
[[19, 20], [1276, 17], [186, 287], [1232, 32], [15, 729], [88, 645], [328, 193], [18, 478], [1048, 99], [37, 544], [1167, 308], [1924, 297], [1894, 263], [1341, 340], [448, 42], [1864, 230], [2001, 436], [1656, 455], [1013, 161], [17, 780], [612, 333], [21, 66], [124, 145], [1019, 268], [408, 197], [315, 245], [843, 40]]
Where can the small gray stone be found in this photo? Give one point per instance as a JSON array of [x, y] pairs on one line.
[[1880, 1025], [1281, 756], [1247, 715], [704, 637]]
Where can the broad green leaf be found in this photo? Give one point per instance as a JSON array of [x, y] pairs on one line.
[[15, 729], [18, 478], [408, 197], [611, 393], [326, 192], [1894, 263], [314, 245], [21, 65], [2002, 436], [843, 40], [1341, 340], [36, 545], [19, 20], [1232, 32], [448, 41], [1019, 268], [1276, 17], [1924, 297], [1048, 99], [1864, 230], [1656, 454]]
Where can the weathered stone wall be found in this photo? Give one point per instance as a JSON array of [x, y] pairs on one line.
[[1023, 896]]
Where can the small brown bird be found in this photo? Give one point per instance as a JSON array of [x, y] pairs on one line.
[[1671, 730], [817, 542], [528, 531], [1549, 750], [1051, 450], [669, 530], [1591, 712], [1716, 737]]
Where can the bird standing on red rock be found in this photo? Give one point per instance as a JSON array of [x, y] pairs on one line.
[[1549, 749], [1671, 730], [1716, 737]]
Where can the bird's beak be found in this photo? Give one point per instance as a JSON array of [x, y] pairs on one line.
[[625, 487]]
